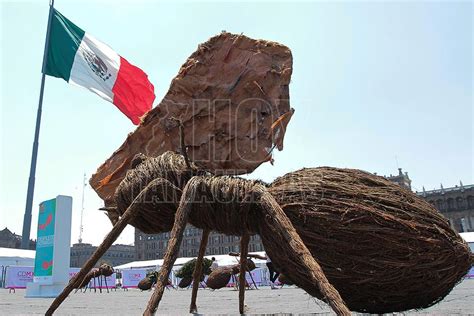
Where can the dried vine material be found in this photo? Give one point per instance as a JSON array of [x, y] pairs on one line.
[[131, 211], [106, 270], [148, 281], [232, 96], [145, 284], [198, 273], [371, 237], [350, 238], [383, 248], [185, 282], [244, 247], [181, 218], [210, 202], [220, 277], [164, 198], [284, 280], [289, 253]]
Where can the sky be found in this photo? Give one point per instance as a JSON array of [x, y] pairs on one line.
[[376, 86]]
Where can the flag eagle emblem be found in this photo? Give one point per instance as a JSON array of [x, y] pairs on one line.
[[96, 64]]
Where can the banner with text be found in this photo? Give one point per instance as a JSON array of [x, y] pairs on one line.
[[17, 277], [109, 282], [255, 275], [130, 278], [45, 242], [73, 272]]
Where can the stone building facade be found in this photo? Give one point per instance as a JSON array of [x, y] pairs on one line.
[[115, 255], [455, 203], [8, 239], [401, 179], [153, 246]]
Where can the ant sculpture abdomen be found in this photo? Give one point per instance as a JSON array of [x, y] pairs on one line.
[[384, 248]]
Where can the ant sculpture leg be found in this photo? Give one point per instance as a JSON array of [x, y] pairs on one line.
[[277, 229], [180, 221], [106, 286], [244, 248], [253, 281], [244, 244], [274, 228], [112, 236], [198, 270]]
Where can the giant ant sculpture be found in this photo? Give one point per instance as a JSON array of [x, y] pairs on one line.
[[357, 224]]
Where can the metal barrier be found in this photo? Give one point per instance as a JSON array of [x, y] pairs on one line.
[[3, 276]]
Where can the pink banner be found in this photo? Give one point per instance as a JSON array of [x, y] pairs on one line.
[[110, 279], [110, 282], [470, 274], [130, 278], [18, 277], [257, 275], [73, 272]]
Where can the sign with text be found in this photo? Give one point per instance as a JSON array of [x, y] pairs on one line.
[[17, 277], [52, 248], [45, 242], [130, 278]]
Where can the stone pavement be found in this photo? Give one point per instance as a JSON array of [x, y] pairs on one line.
[[176, 302]]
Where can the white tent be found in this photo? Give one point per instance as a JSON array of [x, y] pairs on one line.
[[146, 264], [16, 257], [469, 238], [222, 260], [226, 260]]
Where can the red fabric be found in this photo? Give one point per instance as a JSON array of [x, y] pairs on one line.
[[133, 93]]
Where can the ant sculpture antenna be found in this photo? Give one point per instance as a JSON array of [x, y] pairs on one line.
[[183, 148]]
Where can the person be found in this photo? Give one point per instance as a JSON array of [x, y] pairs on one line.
[[271, 270], [214, 264]]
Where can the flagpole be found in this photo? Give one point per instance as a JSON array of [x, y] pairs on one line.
[[25, 237]]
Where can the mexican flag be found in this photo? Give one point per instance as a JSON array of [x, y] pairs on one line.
[[81, 59]]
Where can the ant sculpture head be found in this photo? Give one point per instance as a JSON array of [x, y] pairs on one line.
[[169, 165], [156, 184]]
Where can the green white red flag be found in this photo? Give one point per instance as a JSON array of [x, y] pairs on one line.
[[81, 59]]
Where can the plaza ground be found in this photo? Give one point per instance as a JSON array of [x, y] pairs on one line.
[[176, 302]]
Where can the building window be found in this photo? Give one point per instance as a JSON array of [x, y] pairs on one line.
[[440, 205], [470, 201], [450, 202]]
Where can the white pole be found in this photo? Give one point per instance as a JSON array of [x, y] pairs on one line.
[[81, 227]]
